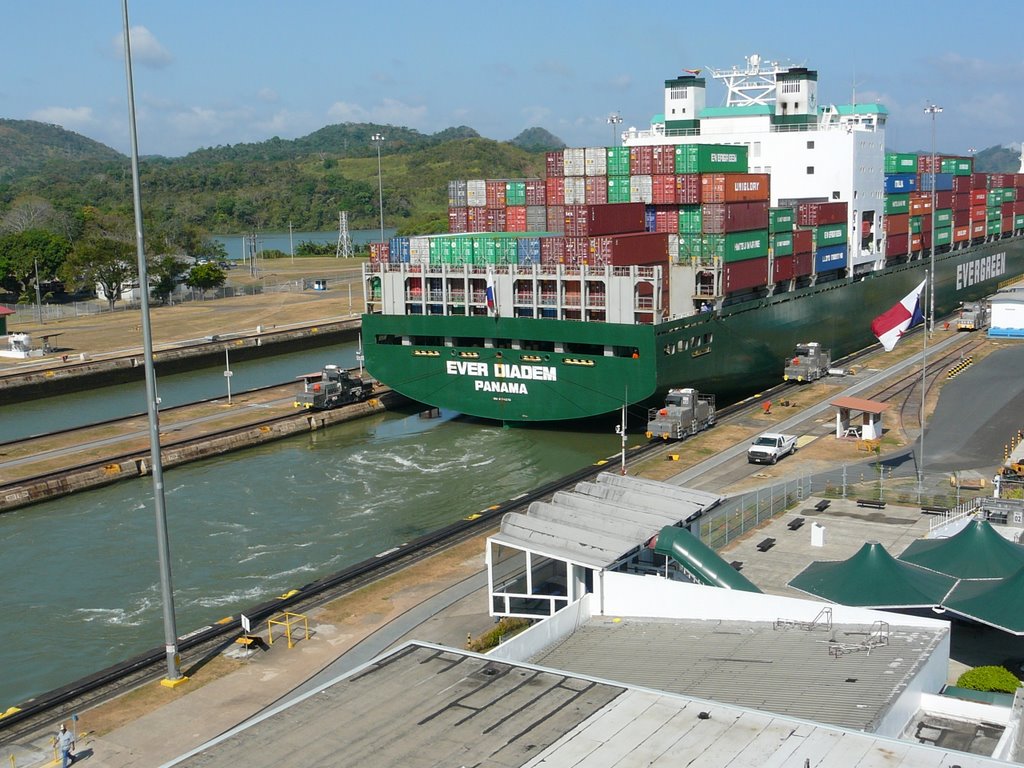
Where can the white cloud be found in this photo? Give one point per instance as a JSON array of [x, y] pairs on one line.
[[344, 112], [268, 95], [387, 111], [146, 49], [68, 117]]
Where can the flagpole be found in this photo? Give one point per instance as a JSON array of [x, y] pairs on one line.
[[924, 389]]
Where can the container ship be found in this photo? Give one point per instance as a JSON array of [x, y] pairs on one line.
[[696, 253]]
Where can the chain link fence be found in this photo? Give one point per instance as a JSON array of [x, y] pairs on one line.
[[893, 480]]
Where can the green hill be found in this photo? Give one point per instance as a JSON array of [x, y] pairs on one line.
[[28, 146]]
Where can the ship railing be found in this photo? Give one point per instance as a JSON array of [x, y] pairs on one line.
[[596, 300], [572, 300], [644, 302], [548, 299]]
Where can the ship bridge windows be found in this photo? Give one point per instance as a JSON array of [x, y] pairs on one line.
[[620, 351], [388, 339], [576, 348]]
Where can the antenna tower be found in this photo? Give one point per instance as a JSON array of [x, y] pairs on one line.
[[344, 250], [751, 84]]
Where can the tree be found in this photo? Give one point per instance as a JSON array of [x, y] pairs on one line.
[[205, 276], [27, 212], [104, 262], [21, 253], [166, 270]]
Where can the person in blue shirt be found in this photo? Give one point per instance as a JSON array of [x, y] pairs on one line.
[[66, 745]]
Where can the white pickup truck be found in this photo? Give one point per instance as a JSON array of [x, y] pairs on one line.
[[769, 447]]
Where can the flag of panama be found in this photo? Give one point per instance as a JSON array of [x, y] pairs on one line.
[[890, 326]]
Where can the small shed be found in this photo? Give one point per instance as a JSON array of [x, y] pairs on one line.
[[859, 418], [1007, 313], [4, 312]]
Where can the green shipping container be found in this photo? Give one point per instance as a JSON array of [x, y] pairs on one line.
[[897, 204], [691, 246], [711, 158], [958, 166], [829, 234], [995, 226], [781, 220], [738, 246], [618, 188], [691, 220], [782, 244], [915, 225], [1018, 221], [618, 161], [943, 235], [515, 193], [943, 217], [900, 162]]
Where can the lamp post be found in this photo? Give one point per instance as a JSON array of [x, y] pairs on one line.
[[378, 139], [932, 110], [613, 120]]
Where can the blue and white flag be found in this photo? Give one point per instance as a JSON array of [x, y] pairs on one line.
[[492, 307]]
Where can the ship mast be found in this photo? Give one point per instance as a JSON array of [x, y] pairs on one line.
[[749, 85]]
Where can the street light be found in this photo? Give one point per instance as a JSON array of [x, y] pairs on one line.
[[378, 139], [932, 110], [613, 120]]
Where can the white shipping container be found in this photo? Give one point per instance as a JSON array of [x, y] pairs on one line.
[[574, 159], [640, 189], [576, 189], [476, 193], [596, 161], [419, 250], [457, 194]]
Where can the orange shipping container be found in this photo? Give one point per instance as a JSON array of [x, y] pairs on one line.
[[898, 224], [961, 234], [920, 204], [916, 243], [978, 229], [734, 187]]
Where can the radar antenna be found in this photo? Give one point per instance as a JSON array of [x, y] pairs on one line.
[[751, 84]]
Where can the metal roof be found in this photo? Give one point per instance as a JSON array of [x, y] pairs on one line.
[[860, 404], [998, 603], [421, 705], [599, 522], [788, 671], [976, 552], [873, 578]]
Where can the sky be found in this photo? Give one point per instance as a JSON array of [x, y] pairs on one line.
[[221, 72]]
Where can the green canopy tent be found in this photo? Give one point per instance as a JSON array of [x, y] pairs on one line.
[[977, 552], [996, 602], [872, 578]]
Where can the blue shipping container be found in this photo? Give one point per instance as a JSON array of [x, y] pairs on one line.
[[650, 219], [830, 257], [528, 250], [943, 182], [399, 252], [898, 183]]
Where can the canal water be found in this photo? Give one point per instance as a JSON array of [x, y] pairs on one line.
[[81, 583]]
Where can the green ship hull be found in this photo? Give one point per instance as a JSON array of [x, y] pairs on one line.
[[526, 370]]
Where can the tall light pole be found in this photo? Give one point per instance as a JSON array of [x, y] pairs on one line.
[[378, 139], [613, 120], [932, 110]]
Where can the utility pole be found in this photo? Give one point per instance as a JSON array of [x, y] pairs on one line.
[[378, 139]]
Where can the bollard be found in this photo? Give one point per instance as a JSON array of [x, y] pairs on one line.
[[469, 640]]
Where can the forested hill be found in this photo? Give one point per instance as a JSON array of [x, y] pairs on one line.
[[269, 185], [28, 146]]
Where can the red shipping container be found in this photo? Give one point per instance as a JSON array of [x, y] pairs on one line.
[[978, 229], [962, 201], [576, 250], [515, 218], [782, 269], [552, 250], [916, 243], [1007, 224], [458, 220], [554, 191], [979, 213], [379, 252], [803, 242], [688, 188], [722, 218], [640, 248], [495, 191], [476, 219], [734, 187], [1018, 180], [496, 219], [554, 164], [595, 190], [943, 199], [897, 245], [663, 159], [641, 161], [663, 189], [606, 219], [556, 218], [600, 251], [1017, 208], [803, 263], [961, 234], [979, 181], [816, 214], [741, 275], [1006, 209], [1000, 180], [961, 218], [666, 219], [536, 192], [961, 184], [897, 224]]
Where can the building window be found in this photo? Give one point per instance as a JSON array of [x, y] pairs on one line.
[[810, 145], [835, 194], [810, 170], [677, 93]]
